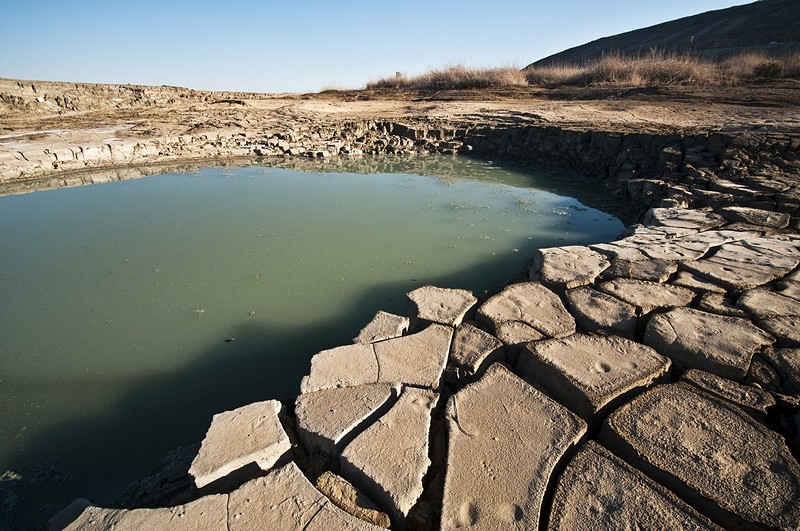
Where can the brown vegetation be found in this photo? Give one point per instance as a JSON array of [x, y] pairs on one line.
[[454, 77], [652, 69]]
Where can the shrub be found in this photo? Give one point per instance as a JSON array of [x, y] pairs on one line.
[[769, 69]]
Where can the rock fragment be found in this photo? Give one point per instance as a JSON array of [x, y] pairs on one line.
[[594, 310], [532, 304], [472, 351], [441, 305], [700, 340], [251, 434], [748, 263], [417, 359], [326, 418], [589, 373], [342, 493], [207, 513], [719, 304], [345, 366], [785, 329], [647, 296], [515, 333], [698, 220], [711, 454], [285, 499], [383, 326], [595, 492], [568, 267], [754, 216], [505, 439], [389, 459], [765, 304], [754, 401], [651, 270], [787, 362], [696, 284]]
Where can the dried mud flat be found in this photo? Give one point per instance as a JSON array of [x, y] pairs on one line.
[[650, 382]]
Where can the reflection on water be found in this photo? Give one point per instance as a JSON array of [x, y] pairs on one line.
[[133, 311]]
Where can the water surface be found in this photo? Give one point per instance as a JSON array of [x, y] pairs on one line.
[[132, 311]]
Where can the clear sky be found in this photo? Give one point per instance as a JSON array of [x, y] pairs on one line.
[[301, 46]]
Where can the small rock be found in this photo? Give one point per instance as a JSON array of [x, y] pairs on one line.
[[251, 434], [563, 268], [383, 326], [647, 296], [441, 305], [754, 401], [594, 311], [700, 340], [532, 304]]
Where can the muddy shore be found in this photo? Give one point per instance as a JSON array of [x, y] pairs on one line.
[[603, 348]]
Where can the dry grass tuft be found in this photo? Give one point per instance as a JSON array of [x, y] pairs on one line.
[[651, 69], [454, 77]]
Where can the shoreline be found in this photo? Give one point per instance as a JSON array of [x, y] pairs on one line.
[[715, 251]]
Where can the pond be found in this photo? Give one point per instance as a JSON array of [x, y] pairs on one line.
[[133, 311]]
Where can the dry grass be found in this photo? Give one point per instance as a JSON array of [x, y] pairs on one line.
[[454, 77], [652, 69]]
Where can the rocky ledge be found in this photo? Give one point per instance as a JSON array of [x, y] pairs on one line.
[[652, 381]]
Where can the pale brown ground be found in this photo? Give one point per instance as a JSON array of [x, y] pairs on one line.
[[770, 105]]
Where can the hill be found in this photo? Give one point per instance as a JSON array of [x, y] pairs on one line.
[[768, 26]]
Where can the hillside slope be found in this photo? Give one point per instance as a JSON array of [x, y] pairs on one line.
[[771, 26]]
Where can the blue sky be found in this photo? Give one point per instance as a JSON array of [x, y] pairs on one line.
[[300, 46]]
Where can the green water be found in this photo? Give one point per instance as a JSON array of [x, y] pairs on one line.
[[131, 312]]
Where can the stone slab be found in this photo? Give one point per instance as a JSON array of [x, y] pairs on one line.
[[786, 330], [473, 350], [752, 400], [327, 417], [719, 304], [345, 366], [209, 513], [238, 438], [647, 296], [683, 218], [765, 304], [505, 439], [651, 270], [748, 263], [620, 250], [286, 500], [567, 267], [383, 326], [714, 456], [389, 459], [514, 333], [696, 283], [594, 310], [532, 304], [788, 288], [787, 362], [417, 359], [589, 373], [700, 340], [755, 216], [441, 305], [598, 490]]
